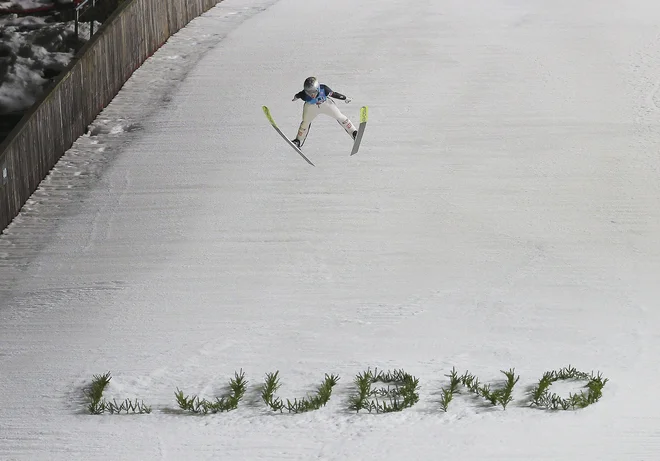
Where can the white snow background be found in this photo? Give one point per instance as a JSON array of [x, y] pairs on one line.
[[502, 212]]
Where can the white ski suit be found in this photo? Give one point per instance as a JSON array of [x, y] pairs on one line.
[[322, 104]]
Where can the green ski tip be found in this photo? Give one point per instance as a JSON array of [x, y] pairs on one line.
[[364, 114], [270, 117]]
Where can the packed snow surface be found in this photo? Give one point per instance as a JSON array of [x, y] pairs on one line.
[[502, 213]]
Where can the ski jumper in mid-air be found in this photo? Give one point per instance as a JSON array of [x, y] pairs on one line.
[[316, 97]]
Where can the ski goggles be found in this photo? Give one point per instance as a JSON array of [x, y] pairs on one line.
[[312, 93]]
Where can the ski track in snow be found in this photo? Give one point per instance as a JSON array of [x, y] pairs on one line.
[[502, 212]]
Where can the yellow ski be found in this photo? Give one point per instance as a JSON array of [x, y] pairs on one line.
[[364, 114], [272, 122]]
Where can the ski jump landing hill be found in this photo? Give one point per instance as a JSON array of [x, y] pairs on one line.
[[134, 32]]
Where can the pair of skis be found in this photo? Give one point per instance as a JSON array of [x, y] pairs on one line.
[[364, 113]]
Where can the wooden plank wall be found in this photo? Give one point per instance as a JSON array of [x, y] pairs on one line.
[[133, 33]]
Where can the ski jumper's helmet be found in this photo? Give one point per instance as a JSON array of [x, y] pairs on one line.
[[311, 87]]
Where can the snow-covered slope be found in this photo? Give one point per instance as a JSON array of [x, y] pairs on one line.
[[502, 212]]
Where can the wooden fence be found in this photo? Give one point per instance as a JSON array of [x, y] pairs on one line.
[[133, 33]]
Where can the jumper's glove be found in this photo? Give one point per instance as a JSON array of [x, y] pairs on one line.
[[347, 100], [294, 97]]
